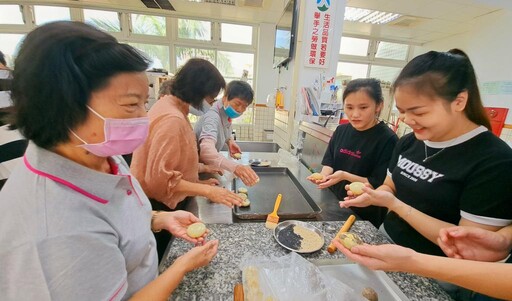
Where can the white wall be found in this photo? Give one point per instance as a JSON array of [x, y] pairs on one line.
[[266, 78], [489, 46]]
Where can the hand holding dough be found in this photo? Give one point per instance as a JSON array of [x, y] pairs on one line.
[[317, 176], [196, 230], [356, 188]]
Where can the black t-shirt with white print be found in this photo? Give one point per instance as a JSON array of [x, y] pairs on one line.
[[363, 153], [469, 177]]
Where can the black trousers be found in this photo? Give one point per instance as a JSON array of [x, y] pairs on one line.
[[163, 237]]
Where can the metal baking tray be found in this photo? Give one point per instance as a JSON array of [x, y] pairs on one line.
[[358, 277], [295, 204], [293, 242]]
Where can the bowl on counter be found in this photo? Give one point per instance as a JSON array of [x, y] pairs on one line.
[[298, 236]]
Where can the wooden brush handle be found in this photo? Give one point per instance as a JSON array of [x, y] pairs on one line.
[[346, 226], [238, 292], [277, 204]]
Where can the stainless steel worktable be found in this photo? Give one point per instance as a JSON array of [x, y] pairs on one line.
[[210, 212]]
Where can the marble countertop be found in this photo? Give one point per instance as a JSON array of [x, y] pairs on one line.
[[216, 281]]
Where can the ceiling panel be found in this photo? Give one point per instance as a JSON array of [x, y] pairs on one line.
[[445, 17]]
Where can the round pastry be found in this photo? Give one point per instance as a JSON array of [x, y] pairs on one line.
[[196, 230], [237, 155], [243, 196], [242, 190], [246, 203], [264, 163], [370, 294], [350, 240], [356, 188], [317, 176]]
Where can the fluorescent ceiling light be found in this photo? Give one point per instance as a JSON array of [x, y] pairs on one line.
[[227, 2], [354, 14]]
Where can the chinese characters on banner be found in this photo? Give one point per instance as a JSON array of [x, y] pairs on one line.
[[318, 42]]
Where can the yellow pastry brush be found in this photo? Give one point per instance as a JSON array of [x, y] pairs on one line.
[[273, 218]]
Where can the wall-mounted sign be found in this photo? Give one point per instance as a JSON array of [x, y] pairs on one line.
[[320, 33], [497, 88]]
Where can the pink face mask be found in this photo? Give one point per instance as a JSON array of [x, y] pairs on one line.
[[122, 136]]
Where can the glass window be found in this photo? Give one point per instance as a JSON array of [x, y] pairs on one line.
[[195, 30], [393, 51], [183, 54], [158, 54], [246, 117], [352, 70], [104, 20], [149, 25], [354, 46], [384, 73], [46, 14], [238, 34], [233, 65], [10, 44], [11, 14]]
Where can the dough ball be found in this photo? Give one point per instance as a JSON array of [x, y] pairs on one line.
[[370, 294], [237, 155], [196, 230], [264, 163], [350, 240], [317, 176], [242, 190], [243, 196], [246, 203], [356, 188]]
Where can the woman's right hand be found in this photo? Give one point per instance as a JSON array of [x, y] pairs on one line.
[[223, 196], [198, 256], [387, 257], [247, 175]]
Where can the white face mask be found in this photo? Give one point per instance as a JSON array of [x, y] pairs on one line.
[[122, 136]]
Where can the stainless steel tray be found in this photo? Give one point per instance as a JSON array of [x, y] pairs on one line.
[[292, 242], [359, 277], [295, 204]]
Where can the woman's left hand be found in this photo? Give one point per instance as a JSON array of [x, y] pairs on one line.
[[234, 148], [177, 223], [210, 181], [331, 179], [369, 197]]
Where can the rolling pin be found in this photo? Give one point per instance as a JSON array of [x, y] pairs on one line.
[[346, 226], [238, 292]]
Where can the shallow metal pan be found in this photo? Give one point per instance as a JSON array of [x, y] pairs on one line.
[[292, 243], [295, 204]]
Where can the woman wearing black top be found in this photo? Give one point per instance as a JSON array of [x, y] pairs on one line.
[[359, 150]]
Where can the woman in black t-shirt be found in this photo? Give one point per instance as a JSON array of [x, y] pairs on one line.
[[451, 170], [359, 150]]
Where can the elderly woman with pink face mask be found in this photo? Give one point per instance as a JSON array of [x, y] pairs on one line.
[[74, 223]]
